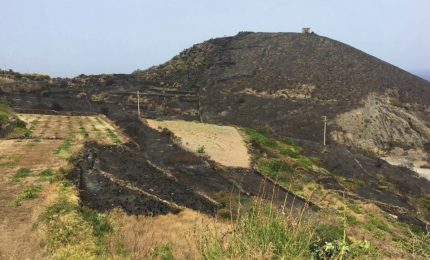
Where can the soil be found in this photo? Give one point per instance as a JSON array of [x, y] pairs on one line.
[[222, 144], [17, 238]]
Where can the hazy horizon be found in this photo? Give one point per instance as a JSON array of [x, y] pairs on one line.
[[70, 38]]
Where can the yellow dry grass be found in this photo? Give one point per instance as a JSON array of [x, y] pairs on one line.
[[222, 144], [181, 231]]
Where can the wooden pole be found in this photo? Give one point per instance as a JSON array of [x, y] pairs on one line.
[[325, 129], [138, 104]]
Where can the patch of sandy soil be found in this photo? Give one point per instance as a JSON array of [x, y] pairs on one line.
[[222, 144], [414, 159], [180, 231]]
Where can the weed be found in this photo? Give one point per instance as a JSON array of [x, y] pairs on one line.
[[263, 232], [113, 136], [201, 149], [355, 208], [47, 175], [28, 194], [33, 125], [94, 129], [84, 132], [260, 137], [379, 224], [274, 168], [72, 231], [290, 151], [418, 244], [306, 162], [20, 174], [63, 149], [12, 161], [162, 252]]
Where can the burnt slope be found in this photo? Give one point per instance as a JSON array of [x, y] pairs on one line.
[[267, 79]]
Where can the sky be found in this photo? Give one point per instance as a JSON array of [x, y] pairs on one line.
[[71, 37]]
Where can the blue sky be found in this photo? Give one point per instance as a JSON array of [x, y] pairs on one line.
[[67, 38]]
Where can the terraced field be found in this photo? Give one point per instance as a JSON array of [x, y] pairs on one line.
[[29, 165]]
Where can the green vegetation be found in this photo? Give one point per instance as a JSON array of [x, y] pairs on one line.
[[5, 113], [378, 223], [11, 161], [47, 175], [82, 129], [285, 163], [261, 137], [113, 136], [162, 252], [201, 149], [20, 174], [276, 169], [33, 125], [74, 232], [64, 148], [290, 151], [263, 232], [417, 244], [28, 194], [84, 132]]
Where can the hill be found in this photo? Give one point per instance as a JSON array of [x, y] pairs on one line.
[[274, 88]]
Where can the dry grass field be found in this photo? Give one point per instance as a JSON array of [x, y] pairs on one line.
[[28, 190], [223, 144], [26, 167]]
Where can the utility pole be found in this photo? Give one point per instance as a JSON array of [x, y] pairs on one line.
[[138, 104], [325, 128]]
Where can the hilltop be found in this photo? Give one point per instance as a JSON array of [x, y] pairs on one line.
[[274, 89]]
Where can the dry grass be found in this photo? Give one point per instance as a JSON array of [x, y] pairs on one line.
[[21, 202], [222, 144], [143, 235]]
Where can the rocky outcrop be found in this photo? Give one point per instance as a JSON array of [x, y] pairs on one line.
[[381, 125]]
